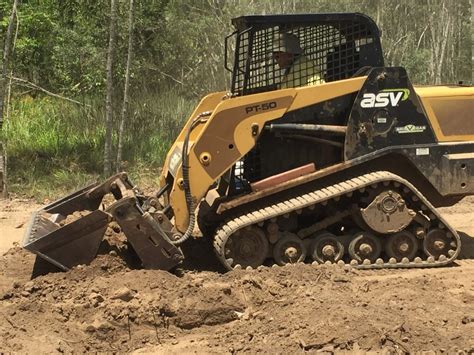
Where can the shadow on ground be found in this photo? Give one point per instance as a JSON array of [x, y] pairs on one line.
[[467, 246]]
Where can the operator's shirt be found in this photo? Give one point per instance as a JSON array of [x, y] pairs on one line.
[[303, 72]]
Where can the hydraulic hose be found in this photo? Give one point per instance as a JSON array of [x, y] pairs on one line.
[[186, 186]]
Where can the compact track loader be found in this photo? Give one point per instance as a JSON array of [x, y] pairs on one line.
[[319, 153]]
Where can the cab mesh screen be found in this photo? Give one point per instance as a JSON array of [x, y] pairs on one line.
[[277, 57]]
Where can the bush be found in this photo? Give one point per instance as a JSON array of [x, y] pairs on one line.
[[55, 146]]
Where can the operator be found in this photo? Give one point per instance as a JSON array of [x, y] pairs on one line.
[[299, 70]]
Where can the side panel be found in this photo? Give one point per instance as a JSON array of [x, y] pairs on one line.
[[461, 168], [449, 167], [451, 111], [387, 112]]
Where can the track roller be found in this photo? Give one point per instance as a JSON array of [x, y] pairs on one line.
[[247, 247], [327, 247], [365, 245], [289, 249], [401, 245], [437, 242]]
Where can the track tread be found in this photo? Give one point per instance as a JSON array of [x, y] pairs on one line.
[[323, 195]]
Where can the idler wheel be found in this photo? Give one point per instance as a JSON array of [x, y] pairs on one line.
[[327, 247], [247, 247], [437, 242], [401, 245], [365, 245], [289, 249]]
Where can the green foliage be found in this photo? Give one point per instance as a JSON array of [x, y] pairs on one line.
[[45, 140], [156, 121], [61, 44], [61, 143]]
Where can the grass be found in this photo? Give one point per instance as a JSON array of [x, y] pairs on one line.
[[55, 147]]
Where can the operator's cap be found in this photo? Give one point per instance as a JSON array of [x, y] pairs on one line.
[[287, 42]]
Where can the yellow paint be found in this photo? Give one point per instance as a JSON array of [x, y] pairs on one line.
[[312, 95], [208, 103], [448, 92]]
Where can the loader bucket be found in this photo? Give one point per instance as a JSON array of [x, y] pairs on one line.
[[68, 231], [70, 244]]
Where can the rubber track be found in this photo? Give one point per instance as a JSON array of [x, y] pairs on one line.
[[333, 192]]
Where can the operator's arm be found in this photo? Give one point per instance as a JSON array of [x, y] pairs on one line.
[[304, 72], [310, 73]]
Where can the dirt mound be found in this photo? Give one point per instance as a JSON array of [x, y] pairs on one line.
[[113, 306], [107, 306]]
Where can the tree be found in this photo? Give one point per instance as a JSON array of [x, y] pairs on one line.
[[3, 80], [440, 35], [108, 102], [126, 88], [6, 58]]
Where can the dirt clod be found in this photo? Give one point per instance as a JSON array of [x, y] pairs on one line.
[[123, 293], [467, 319], [73, 217]]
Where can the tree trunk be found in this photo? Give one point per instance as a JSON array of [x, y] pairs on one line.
[[6, 58], [5, 65], [108, 101], [445, 34], [123, 116], [6, 116]]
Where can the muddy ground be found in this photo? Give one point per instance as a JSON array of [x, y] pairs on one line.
[[109, 306]]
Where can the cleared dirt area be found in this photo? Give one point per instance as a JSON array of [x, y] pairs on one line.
[[14, 216], [110, 306]]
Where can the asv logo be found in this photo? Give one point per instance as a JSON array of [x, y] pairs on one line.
[[384, 98]]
